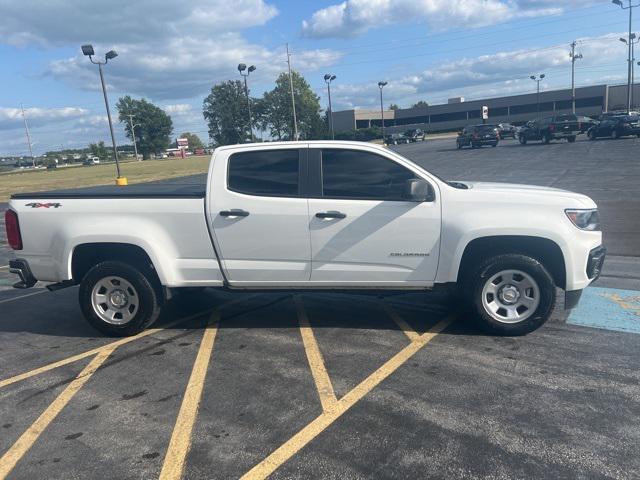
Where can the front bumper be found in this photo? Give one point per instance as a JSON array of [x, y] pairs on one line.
[[20, 267], [595, 262]]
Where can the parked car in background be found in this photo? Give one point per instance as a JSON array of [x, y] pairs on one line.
[[91, 161], [506, 130], [475, 136], [585, 123], [616, 127], [551, 128], [395, 139], [415, 135]]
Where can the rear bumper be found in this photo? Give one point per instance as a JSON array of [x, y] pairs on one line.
[[20, 267]]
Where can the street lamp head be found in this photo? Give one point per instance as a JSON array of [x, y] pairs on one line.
[[617, 2], [327, 76], [633, 36], [111, 54], [251, 68], [623, 40], [242, 67], [382, 84], [532, 77], [333, 77], [542, 75], [87, 50]]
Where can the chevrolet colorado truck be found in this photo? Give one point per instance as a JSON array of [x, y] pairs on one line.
[[559, 127], [304, 216]]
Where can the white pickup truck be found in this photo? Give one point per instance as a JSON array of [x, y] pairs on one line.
[[309, 215]]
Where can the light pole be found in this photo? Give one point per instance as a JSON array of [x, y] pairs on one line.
[[328, 78], [538, 79], [242, 68], [87, 50], [630, 7], [633, 41], [381, 85], [574, 57]]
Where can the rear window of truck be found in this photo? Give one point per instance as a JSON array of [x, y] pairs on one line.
[[271, 173]]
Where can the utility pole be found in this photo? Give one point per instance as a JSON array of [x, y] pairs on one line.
[[26, 129], [574, 57], [381, 85], [293, 102], [133, 134], [537, 79]]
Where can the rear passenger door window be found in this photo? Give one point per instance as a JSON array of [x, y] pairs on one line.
[[270, 173], [359, 175]]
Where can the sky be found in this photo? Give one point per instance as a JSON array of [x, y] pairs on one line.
[[172, 53]]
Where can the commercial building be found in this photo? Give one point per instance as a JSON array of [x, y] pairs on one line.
[[590, 101]]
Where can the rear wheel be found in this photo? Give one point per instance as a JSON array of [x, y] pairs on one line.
[[615, 135], [547, 138], [523, 140], [571, 139], [118, 299], [591, 134], [511, 294]]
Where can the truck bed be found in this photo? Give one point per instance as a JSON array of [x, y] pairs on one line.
[[141, 190]]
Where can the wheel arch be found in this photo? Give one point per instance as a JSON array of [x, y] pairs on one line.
[[546, 251], [84, 256]]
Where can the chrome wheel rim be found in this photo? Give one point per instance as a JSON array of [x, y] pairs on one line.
[[115, 300], [510, 296]]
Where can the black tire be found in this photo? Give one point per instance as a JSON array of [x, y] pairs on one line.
[[475, 145], [458, 145], [571, 139], [522, 139], [494, 144], [546, 138], [147, 293], [592, 135], [487, 269], [615, 135]]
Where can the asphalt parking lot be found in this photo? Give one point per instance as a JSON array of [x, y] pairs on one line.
[[341, 386]]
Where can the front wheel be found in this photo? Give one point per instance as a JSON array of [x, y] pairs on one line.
[[615, 135], [547, 138], [523, 140], [118, 299], [511, 294], [571, 139], [591, 134]]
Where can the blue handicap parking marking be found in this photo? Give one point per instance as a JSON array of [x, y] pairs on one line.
[[608, 308]]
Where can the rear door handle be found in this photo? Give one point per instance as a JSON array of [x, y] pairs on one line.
[[331, 214], [235, 212]]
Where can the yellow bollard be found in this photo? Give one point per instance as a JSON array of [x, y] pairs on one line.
[[121, 181]]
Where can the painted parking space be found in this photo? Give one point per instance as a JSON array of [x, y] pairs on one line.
[[609, 309]]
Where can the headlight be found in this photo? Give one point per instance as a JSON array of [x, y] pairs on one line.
[[584, 219]]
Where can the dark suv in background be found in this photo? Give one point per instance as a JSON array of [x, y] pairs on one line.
[[615, 127], [476, 136], [551, 128]]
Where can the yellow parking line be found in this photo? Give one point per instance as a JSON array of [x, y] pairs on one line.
[[28, 438], [181, 437], [317, 426], [94, 351], [404, 326], [316, 362]]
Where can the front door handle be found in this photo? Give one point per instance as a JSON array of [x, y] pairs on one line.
[[235, 212], [331, 214]]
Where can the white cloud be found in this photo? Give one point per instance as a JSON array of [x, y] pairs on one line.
[[354, 17], [498, 74], [11, 118]]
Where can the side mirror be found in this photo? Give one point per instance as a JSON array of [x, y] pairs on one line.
[[418, 190]]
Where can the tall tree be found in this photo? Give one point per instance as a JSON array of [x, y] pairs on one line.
[[275, 112], [393, 106], [153, 127], [420, 103], [225, 111], [193, 139], [99, 150]]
